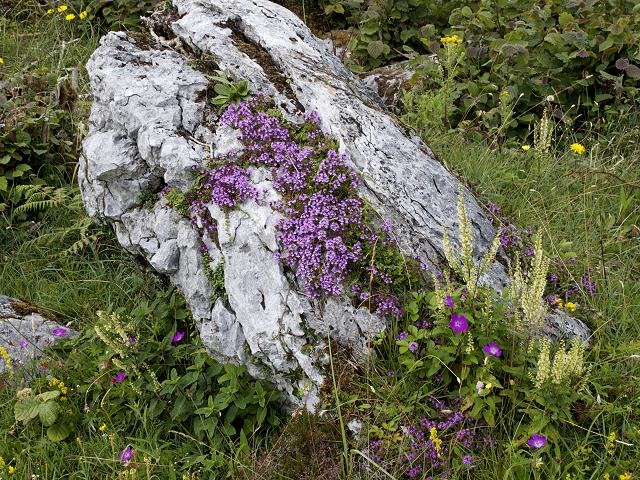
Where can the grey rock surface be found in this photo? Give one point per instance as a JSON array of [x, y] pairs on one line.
[[150, 126], [25, 332]]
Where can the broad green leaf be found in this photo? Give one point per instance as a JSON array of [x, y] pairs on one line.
[[46, 396], [27, 408], [59, 431], [48, 413], [375, 49]]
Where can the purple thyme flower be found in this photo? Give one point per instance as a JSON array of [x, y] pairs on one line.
[[402, 336], [537, 441], [118, 378], [126, 454], [467, 460], [492, 349], [177, 337], [391, 374], [413, 347], [448, 301], [59, 332], [24, 342], [459, 323]]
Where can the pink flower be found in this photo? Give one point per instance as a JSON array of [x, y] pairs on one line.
[[459, 323], [24, 343], [537, 441], [59, 332], [177, 337], [126, 454], [118, 378], [492, 349]]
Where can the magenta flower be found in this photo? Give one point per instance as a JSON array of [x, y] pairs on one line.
[[459, 323], [126, 454], [59, 332], [177, 337], [24, 343], [492, 349], [413, 346], [118, 378], [467, 460], [448, 301], [537, 441]]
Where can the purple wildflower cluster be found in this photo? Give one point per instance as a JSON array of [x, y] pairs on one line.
[[323, 233], [227, 186], [430, 445]]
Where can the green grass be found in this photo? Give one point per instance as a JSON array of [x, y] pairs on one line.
[[73, 287]]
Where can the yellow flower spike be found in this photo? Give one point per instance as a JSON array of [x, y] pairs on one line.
[[70, 17], [577, 148], [526, 148], [61, 8], [83, 15]]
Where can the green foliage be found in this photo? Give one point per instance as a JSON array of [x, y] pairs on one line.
[[111, 14], [388, 29], [228, 90], [216, 278], [177, 200], [171, 389], [47, 407], [576, 58], [35, 146]]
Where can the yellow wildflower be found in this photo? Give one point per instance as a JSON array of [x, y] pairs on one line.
[[577, 148], [11, 469], [526, 148], [51, 10], [570, 306], [452, 40], [6, 357], [103, 427], [489, 386], [626, 476], [1, 60], [1, 461], [433, 436], [83, 15], [70, 17], [61, 8]]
